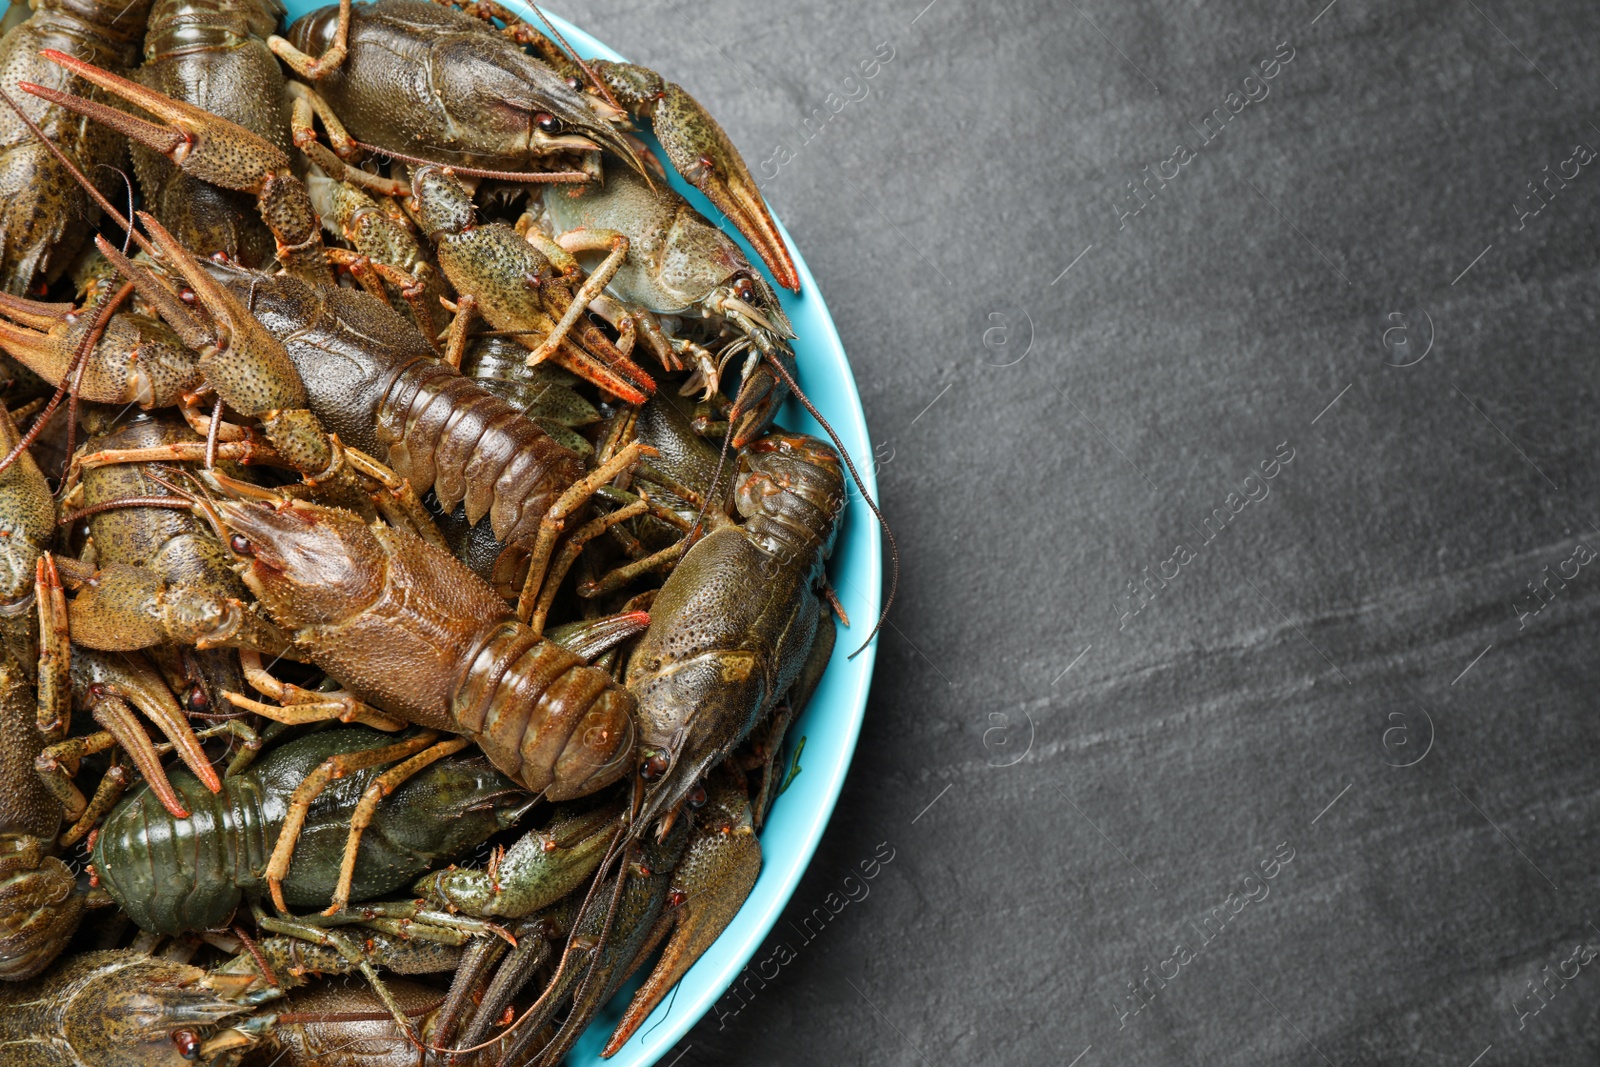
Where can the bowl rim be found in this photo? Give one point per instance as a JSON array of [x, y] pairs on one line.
[[845, 684], [840, 701]]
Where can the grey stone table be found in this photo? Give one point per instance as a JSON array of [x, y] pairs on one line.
[[1232, 374]]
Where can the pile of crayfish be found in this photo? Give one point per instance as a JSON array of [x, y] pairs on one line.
[[406, 590]]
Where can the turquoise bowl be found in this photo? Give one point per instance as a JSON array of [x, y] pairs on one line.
[[832, 721]]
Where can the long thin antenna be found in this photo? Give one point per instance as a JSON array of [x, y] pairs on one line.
[[894, 549], [101, 322], [124, 502], [127, 234], [691, 537], [472, 172], [576, 58]]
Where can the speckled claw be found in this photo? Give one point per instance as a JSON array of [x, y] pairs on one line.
[[105, 678], [212, 149], [136, 361], [204, 145], [541, 868], [703, 154], [245, 364], [709, 887]]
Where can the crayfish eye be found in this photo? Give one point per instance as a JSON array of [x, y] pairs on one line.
[[197, 700], [241, 545], [697, 797], [745, 289], [187, 1042], [654, 766], [546, 122]]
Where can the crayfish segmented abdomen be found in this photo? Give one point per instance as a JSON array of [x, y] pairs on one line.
[[408, 628], [176, 875], [374, 380]]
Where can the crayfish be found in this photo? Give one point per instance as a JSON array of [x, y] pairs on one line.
[[395, 580]]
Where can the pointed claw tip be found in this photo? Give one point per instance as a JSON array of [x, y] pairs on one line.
[[176, 810], [774, 252], [55, 55]]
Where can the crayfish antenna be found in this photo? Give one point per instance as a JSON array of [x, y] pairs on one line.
[[711, 494], [594, 79], [475, 172], [894, 548]]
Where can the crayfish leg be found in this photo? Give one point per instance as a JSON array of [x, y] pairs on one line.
[[112, 785], [396, 500], [332, 768], [616, 248], [386, 783], [57, 762], [460, 329], [620, 576], [555, 520], [297, 706], [308, 106], [349, 952], [55, 652], [249, 450], [313, 68]]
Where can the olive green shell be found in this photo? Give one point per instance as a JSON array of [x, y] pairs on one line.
[[174, 875]]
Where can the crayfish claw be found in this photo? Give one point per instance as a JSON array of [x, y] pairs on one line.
[[761, 393], [708, 889], [202, 144], [703, 154]]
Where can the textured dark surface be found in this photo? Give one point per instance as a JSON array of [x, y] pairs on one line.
[[1302, 652]]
